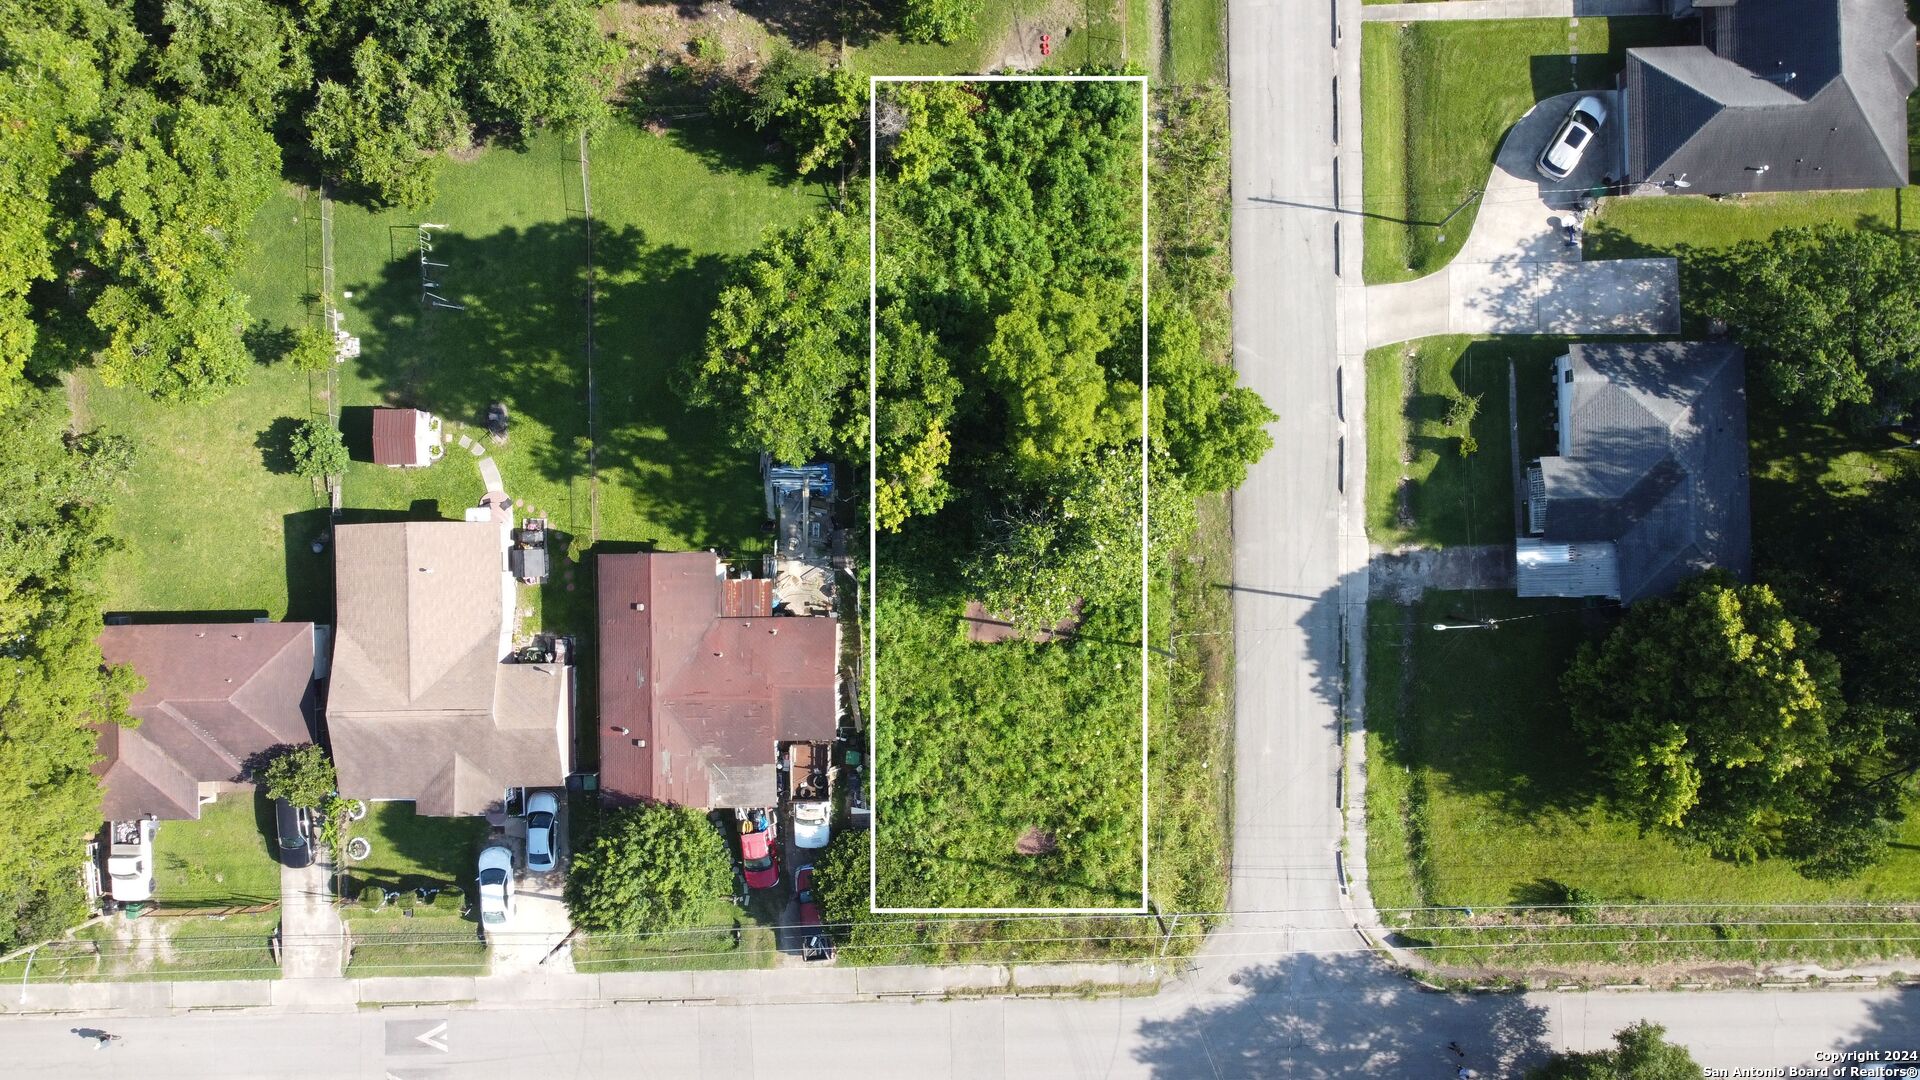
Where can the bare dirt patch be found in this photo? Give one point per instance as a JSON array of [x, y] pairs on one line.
[[1036, 841]]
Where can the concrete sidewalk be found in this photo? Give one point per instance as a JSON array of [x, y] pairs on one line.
[[1443, 10], [810, 985]]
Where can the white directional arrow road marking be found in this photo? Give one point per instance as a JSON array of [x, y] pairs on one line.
[[435, 1037], [422, 1036]]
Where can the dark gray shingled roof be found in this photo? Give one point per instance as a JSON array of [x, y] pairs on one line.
[[1726, 116], [1656, 463]]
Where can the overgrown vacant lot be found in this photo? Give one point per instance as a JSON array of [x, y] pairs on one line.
[[213, 522], [1437, 98]]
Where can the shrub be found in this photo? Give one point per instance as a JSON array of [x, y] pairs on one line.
[[318, 450], [302, 775]]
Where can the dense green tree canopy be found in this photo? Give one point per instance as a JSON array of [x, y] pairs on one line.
[[318, 450], [302, 775], [1640, 1052], [786, 356], [250, 54], [401, 80], [174, 192], [50, 87], [912, 413], [1833, 314], [53, 541], [648, 868], [379, 129], [819, 112], [1713, 713]]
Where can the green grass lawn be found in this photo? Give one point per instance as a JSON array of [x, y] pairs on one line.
[[1694, 227], [407, 936], [1420, 490], [157, 947], [1480, 796], [213, 522], [412, 850], [226, 859], [407, 939], [725, 938], [1436, 100], [1196, 43]]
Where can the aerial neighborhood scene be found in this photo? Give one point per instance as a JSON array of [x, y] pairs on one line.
[[996, 538]]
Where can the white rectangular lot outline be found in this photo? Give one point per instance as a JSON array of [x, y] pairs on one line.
[[873, 532]]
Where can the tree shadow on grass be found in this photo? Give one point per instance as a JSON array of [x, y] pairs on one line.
[[809, 23], [275, 443], [1342, 1015], [309, 572], [1478, 711], [521, 340]]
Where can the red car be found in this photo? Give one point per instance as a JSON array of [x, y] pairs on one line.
[[756, 855], [814, 942]]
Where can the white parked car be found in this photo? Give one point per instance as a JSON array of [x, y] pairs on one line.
[[811, 824], [1563, 152], [130, 859], [496, 885], [543, 816]]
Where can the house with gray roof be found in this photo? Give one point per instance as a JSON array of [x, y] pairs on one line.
[[423, 703], [1780, 95], [1649, 485], [216, 696]]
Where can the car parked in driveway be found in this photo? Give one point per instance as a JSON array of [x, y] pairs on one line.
[[294, 828], [814, 942], [496, 885], [543, 816], [1570, 140], [756, 851], [130, 859]]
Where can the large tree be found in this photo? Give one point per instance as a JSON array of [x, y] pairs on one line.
[[246, 53], [786, 358], [1213, 427], [175, 190], [1060, 404], [381, 129], [54, 537], [1713, 713], [913, 414], [648, 868], [1640, 1052], [1833, 315], [50, 88]]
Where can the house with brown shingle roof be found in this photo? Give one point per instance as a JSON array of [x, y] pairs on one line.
[[422, 705], [700, 682], [217, 695]]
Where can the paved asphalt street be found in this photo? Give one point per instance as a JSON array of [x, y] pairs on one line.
[[1297, 1019]]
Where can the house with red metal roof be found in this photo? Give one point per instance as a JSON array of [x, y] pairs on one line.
[[701, 683]]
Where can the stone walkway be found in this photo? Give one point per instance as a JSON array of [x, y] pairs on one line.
[[1442, 10]]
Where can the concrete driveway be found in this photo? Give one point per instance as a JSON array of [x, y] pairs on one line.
[[540, 921], [1516, 274], [312, 944]]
